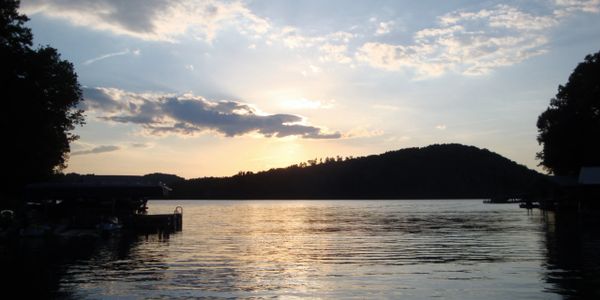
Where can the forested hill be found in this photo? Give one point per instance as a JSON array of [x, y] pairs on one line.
[[437, 171]]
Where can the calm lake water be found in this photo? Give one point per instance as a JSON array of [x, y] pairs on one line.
[[451, 249]]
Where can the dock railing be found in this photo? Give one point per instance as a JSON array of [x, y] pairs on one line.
[[160, 223]]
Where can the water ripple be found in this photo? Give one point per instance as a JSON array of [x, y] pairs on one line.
[[330, 249]]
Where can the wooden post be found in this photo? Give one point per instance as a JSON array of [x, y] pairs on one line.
[[178, 216]]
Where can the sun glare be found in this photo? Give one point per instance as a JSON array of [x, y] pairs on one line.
[[280, 153], [300, 103]]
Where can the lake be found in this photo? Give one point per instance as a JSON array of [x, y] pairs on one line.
[[389, 249]]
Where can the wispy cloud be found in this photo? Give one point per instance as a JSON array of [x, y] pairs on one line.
[[384, 28], [397, 57], [472, 42], [96, 150], [332, 47], [162, 20], [188, 114], [567, 7], [469, 42], [336, 53], [140, 145], [109, 55], [363, 132]]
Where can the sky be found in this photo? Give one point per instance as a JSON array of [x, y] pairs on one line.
[[211, 88]]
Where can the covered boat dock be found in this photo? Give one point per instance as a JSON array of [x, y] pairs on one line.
[[90, 201]]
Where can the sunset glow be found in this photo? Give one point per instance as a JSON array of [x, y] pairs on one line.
[[210, 88]]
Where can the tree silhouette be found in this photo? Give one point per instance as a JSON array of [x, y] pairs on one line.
[[433, 172], [40, 93], [569, 129]]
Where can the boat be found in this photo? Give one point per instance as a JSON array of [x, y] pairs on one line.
[[109, 225]]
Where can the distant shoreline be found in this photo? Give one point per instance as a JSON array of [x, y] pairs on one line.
[[316, 199]]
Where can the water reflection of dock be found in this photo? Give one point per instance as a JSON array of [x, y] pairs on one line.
[[45, 264], [573, 263]]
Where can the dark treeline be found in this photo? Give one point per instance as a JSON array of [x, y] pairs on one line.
[[437, 171]]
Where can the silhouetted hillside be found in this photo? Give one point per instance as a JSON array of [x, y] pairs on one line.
[[437, 171], [167, 179]]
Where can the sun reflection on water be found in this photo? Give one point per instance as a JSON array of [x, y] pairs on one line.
[[325, 249]]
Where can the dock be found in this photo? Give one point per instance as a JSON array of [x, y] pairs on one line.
[[158, 223], [99, 203]]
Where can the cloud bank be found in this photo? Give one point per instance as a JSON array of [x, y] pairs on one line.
[[188, 114]]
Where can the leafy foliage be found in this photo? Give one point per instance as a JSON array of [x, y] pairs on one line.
[[40, 94], [569, 129]]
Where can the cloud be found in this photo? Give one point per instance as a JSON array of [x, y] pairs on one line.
[[332, 47], [291, 38], [188, 114], [396, 57], [384, 28], [502, 16], [472, 42], [336, 53], [96, 150], [165, 20], [363, 132], [109, 55], [140, 145], [568, 7], [162, 20], [106, 100], [469, 42], [441, 127]]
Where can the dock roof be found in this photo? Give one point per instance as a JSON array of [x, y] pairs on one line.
[[97, 186]]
